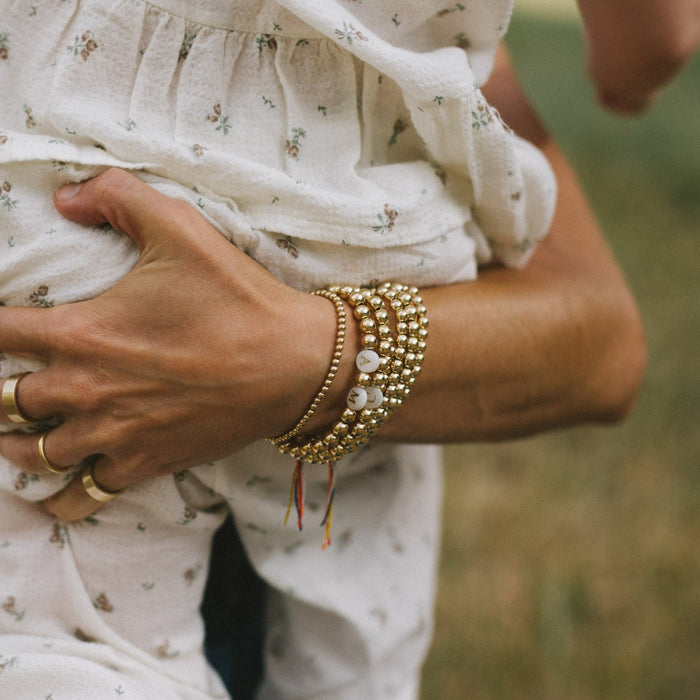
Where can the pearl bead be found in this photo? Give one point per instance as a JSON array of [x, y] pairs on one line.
[[357, 398], [374, 397], [367, 361]]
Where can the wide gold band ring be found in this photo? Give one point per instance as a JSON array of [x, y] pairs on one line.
[[9, 398], [95, 491], [46, 461]]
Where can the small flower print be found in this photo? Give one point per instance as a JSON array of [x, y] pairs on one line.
[[128, 125], [6, 663], [481, 117], [438, 99], [399, 127], [39, 298], [266, 41], [164, 652], [186, 46], [255, 479], [524, 246], [29, 122], [386, 222], [188, 516], [322, 109], [287, 243], [3, 139], [380, 615], [198, 150], [458, 7], [82, 636], [59, 535], [10, 607], [5, 198], [349, 33], [462, 41], [395, 19], [83, 45], [4, 46], [22, 480], [302, 42], [102, 603], [192, 573], [268, 102], [440, 172], [294, 144], [218, 118]]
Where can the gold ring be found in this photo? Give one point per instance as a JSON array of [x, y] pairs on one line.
[[9, 399], [46, 461], [93, 490]]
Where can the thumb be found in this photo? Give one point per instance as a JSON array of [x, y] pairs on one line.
[[120, 199]]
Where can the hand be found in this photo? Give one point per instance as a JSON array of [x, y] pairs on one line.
[[194, 354]]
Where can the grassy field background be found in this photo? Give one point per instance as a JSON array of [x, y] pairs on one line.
[[571, 561]]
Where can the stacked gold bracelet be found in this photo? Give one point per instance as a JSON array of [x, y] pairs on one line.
[[387, 367]]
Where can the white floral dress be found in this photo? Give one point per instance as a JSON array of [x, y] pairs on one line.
[[337, 141]]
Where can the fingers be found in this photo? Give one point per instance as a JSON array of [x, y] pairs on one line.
[[123, 201], [84, 495], [30, 453], [9, 401], [24, 331]]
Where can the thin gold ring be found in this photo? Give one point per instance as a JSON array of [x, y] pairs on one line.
[[9, 398], [46, 461], [95, 491]]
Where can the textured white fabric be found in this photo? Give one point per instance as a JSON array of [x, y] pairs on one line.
[[333, 142]]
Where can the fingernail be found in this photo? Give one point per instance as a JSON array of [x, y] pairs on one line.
[[68, 191]]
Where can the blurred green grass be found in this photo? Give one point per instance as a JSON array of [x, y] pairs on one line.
[[571, 561]]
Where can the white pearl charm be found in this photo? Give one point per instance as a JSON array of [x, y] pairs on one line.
[[367, 361], [374, 397], [357, 398]]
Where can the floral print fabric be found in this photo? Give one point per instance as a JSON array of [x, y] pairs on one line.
[[337, 141]]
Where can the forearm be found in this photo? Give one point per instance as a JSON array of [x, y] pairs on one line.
[[519, 351], [636, 47]]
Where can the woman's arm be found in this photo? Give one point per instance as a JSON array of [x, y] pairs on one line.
[[635, 48], [199, 351], [516, 352]]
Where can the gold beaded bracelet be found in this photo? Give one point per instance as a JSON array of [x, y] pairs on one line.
[[365, 410], [332, 370], [387, 369]]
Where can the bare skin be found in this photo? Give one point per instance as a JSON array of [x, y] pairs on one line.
[[635, 47], [157, 388]]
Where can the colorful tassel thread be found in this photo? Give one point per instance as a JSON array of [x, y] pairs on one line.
[[330, 497], [296, 496]]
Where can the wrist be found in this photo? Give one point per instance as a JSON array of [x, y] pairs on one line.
[[387, 365]]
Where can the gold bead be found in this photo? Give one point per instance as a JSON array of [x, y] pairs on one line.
[[361, 312], [369, 341], [363, 379], [367, 325]]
